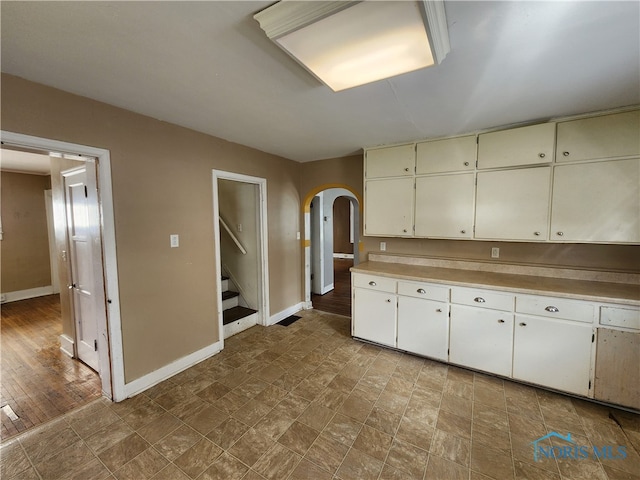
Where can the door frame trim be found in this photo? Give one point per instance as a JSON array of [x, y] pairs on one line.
[[264, 249], [111, 361]]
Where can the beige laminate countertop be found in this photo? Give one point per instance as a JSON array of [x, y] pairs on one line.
[[620, 293]]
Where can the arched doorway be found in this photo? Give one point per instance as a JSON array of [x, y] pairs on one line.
[[327, 244]]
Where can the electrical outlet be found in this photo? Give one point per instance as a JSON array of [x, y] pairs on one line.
[[383, 246], [495, 252], [174, 241]]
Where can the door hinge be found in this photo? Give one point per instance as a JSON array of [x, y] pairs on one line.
[[312, 276], [86, 193], [589, 384], [593, 337], [95, 345]]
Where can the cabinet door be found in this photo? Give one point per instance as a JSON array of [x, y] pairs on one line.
[[517, 146], [606, 136], [423, 327], [481, 339], [552, 353], [390, 161], [597, 202], [513, 204], [388, 207], [618, 367], [447, 155], [444, 206], [374, 316]]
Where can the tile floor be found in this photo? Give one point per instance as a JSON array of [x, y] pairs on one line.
[[308, 402]]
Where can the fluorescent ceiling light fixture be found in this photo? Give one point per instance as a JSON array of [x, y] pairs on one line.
[[346, 44]]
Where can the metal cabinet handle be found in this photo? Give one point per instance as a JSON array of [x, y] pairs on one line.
[[501, 321], [372, 283], [522, 324], [406, 169], [388, 300], [404, 230], [421, 290], [541, 155], [463, 231], [566, 154], [466, 164], [552, 309], [439, 310], [479, 300], [537, 234], [560, 234]]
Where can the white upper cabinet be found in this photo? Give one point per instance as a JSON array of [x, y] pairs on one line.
[[448, 155], [530, 145], [606, 136], [444, 206], [395, 161], [388, 207], [513, 204], [597, 202]]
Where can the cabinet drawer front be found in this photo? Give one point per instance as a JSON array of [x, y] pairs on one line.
[[424, 290], [374, 282], [482, 298], [556, 308], [620, 317]]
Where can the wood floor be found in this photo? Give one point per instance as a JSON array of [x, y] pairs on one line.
[[338, 300], [38, 381]]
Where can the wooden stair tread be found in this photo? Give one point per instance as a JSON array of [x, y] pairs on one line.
[[229, 294], [236, 313]]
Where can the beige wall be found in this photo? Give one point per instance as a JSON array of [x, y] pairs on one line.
[[349, 171], [162, 185], [24, 250]]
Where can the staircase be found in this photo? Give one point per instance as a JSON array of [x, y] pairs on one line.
[[235, 316]]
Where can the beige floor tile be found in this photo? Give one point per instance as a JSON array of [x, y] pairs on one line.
[[157, 429], [492, 462], [277, 462], [356, 407], [251, 446], [177, 442], [144, 466], [454, 424], [343, 429], [458, 405], [415, 433], [373, 442], [452, 448], [408, 458], [385, 421], [440, 468], [251, 412], [213, 392], [490, 416], [327, 453], [615, 474], [66, 462], [309, 471], [226, 468], [316, 416], [359, 466], [299, 437], [198, 458], [526, 471], [170, 472], [13, 460], [227, 433]]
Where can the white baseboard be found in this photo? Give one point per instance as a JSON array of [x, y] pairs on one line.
[[307, 305], [343, 255], [66, 344], [327, 288], [25, 294], [143, 383], [238, 326], [287, 312]]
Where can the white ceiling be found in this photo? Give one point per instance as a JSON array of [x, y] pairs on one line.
[[208, 66]]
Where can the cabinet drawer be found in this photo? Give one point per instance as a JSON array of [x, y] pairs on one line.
[[620, 317], [482, 298], [556, 308], [373, 282], [424, 290]]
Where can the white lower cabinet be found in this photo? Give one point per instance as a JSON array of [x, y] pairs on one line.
[[423, 327], [553, 353], [481, 339], [374, 316]]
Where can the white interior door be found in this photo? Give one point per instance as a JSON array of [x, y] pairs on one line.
[[83, 228]]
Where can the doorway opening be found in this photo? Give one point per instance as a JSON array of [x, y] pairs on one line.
[[332, 245], [92, 228], [240, 235]]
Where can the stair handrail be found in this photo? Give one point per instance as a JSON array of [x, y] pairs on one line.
[[232, 235]]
